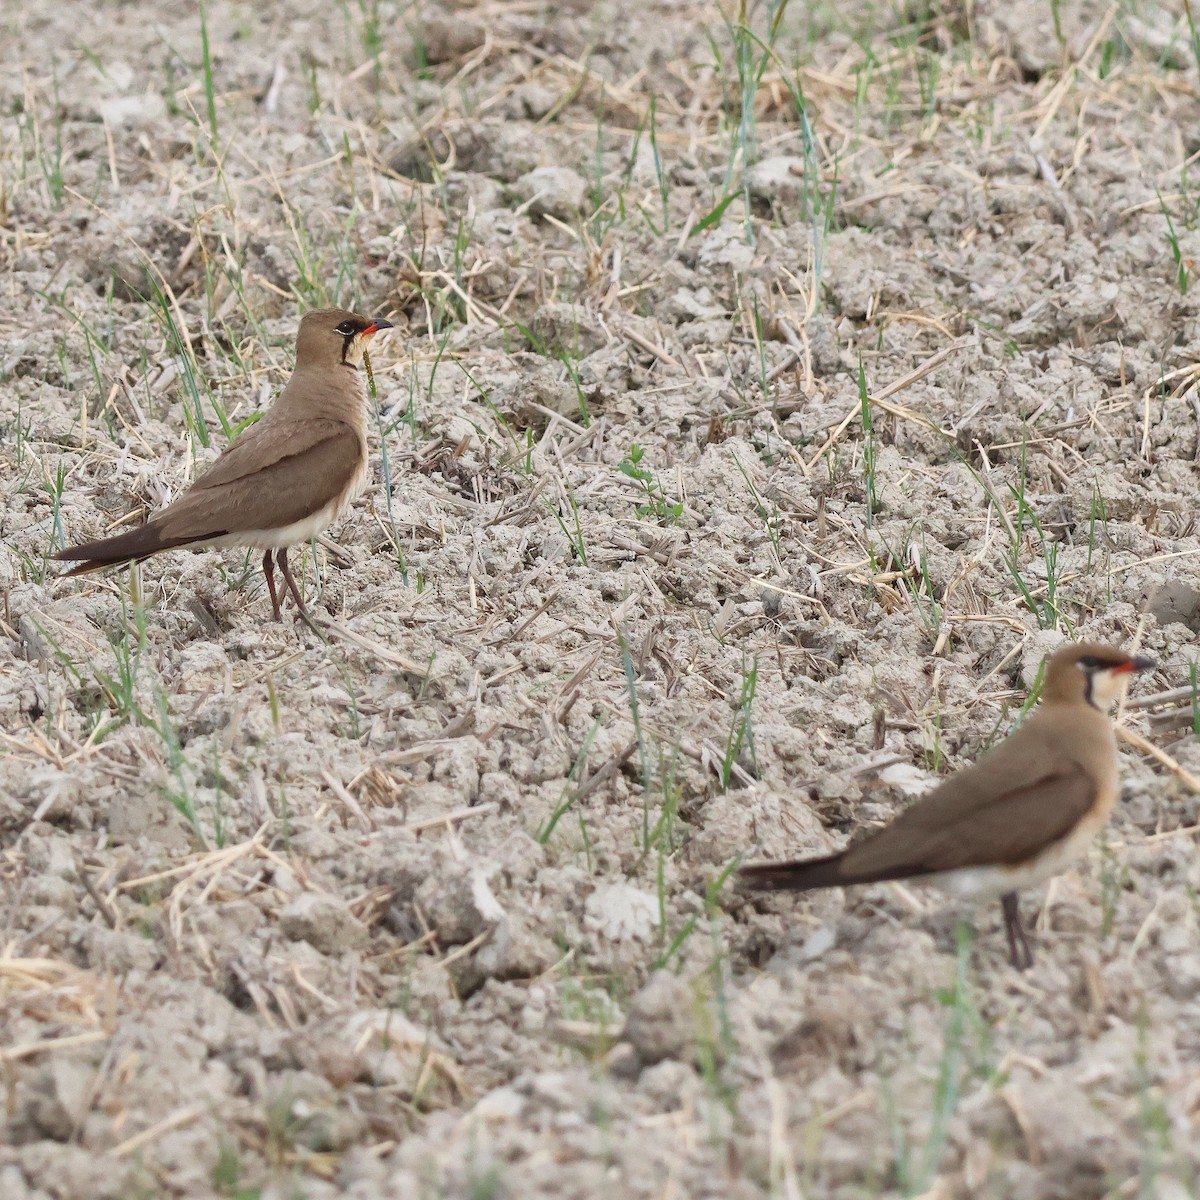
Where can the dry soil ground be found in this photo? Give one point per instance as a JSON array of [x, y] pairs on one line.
[[772, 388]]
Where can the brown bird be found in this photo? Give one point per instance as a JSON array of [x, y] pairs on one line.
[[1018, 816], [288, 477]]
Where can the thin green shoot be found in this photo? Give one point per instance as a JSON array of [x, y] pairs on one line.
[[1192, 32], [1154, 1118], [712, 894], [916, 1170], [210, 95], [1183, 264], [635, 715], [570, 793], [768, 516], [1114, 878], [1193, 673], [751, 57], [1056, 17], [573, 531], [741, 730], [56, 487], [869, 448], [714, 215], [921, 592], [585, 413], [664, 187], [1097, 519]]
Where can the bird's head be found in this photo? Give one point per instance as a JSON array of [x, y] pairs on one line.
[[1090, 673], [335, 337]]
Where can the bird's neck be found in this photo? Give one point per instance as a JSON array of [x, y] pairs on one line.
[[1075, 712], [330, 393]]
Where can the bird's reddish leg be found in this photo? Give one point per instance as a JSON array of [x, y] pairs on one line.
[[1019, 951], [268, 566], [294, 590]]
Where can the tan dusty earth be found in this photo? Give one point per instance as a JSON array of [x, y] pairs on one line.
[[771, 389]]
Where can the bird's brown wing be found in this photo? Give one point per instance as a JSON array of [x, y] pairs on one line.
[[271, 482], [268, 478], [1010, 827], [266, 443], [1027, 793]]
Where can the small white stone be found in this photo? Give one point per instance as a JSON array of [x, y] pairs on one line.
[[621, 911], [553, 192]]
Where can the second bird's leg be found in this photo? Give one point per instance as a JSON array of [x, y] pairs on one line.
[[269, 571], [1019, 951], [288, 578]]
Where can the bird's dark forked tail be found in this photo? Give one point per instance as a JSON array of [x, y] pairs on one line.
[[133, 546], [796, 876]]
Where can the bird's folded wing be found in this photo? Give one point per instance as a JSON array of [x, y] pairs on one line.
[[1005, 826], [267, 482], [266, 443]]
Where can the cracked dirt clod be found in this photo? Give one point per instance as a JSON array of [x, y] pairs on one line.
[[323, 921], [661, 1021]]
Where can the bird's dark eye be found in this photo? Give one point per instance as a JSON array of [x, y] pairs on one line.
[[1092, 663], [346, 329]]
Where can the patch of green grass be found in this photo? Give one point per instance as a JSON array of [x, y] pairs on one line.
[[1002, 726], [197, 390], [1154, 1125], [1193, 33], [1043, 601], [921, 590], [664, 184], [583, 1000], [1047, 610], [55, 487], [931, 742], [1115, 53], [1056, 17], [389, 492], [566, 352], [1097, 528], [750, 54], [656, 502], [487, 1184], [50, 155], [178, 794], [716, 1043], [372, 37]]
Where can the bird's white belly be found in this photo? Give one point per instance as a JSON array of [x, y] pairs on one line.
[[290, 535]]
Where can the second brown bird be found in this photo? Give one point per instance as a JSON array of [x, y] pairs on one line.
[[1019, 815]]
